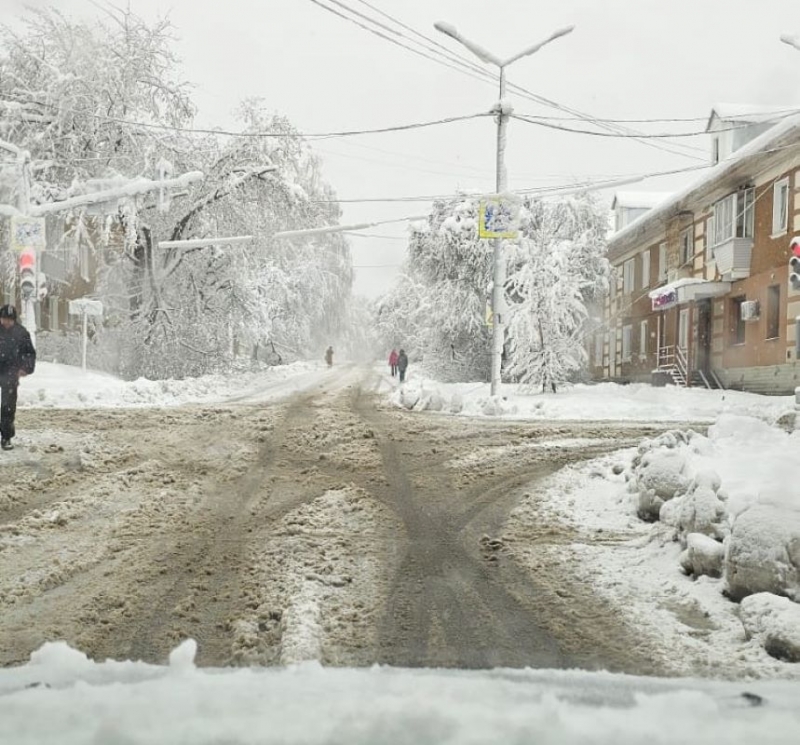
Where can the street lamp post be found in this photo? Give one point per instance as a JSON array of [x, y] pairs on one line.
[[503, 110]]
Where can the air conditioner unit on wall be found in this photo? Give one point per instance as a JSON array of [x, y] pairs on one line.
[[750, 310]]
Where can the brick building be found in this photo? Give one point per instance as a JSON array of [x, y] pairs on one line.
[[701, 294]]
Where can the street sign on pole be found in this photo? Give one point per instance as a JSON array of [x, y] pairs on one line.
[[85, 307], [27, 232], [499, 218]]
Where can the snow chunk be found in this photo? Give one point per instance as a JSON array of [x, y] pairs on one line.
[[702, 511], [703, 556], [60, 660], [764, 551], [181, 659], [774, 622], [660, 477]]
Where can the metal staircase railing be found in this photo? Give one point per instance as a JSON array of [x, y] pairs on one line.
[[672, 360]]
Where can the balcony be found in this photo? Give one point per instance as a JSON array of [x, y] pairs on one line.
[[733, 258]]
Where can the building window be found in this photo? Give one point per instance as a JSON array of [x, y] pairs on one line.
[[773, 311], [736, 320], [662, 262], [626, 343], [627, 276], [733, 217], [780, 207], [715, 150], [646, 269], [687, 249], [709, 239], [643, 331], [598, 349]]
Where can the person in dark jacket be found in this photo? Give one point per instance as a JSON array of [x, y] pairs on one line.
[[402, 364], [17, 359]]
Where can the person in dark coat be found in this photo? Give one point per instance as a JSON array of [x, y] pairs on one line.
[[329, 356], [17, 359], [402, 364]]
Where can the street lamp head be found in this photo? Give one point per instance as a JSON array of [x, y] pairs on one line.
[[482, 54], [536, 47], [446, 28], [792, 41]]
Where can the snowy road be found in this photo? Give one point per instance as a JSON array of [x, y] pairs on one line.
[[319, 527]]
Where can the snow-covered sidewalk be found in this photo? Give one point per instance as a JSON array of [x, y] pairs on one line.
[[603, 401], [62, 386]]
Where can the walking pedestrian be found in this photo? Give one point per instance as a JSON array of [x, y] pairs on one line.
[[17, 359], [402, 364], [329, 356], [393, 362]]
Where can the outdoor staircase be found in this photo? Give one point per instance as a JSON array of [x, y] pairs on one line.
[[673, 362], [707, 380]]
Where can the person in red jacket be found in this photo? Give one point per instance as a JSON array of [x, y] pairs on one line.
[[393, 362], [17, 359]]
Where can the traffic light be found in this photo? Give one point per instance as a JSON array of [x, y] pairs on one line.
[[794, 263], [27, 272]]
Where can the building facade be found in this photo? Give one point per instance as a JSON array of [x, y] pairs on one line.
[[701, 294]]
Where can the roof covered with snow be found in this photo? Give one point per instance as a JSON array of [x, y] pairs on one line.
[[741, 165], [638, 199], [750, 113]]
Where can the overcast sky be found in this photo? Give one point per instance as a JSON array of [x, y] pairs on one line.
[[626, 59]]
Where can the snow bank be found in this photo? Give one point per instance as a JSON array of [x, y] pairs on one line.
[[604, 401], [132, 703], [64, 386]]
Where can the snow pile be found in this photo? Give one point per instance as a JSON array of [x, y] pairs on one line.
[[423, 396], [754, 547], [62, 386], [675, 530], [126, 702], [659, 474], [775, 623], [764, 551], [604, 401]]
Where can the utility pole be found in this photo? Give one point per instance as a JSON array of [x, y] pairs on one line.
[[27, 298], [503, 110]]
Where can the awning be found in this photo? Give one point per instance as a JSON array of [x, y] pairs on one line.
[[685, 291]]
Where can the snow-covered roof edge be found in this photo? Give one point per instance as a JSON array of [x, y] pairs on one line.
[[750, 113], [787, 129], [639, 199]]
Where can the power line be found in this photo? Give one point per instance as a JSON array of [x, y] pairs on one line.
[[661, 135], [387, 38], [554, 189], [472, 69], [776, 114], [308, 136]]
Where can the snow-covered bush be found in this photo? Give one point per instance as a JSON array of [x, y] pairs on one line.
[[774, 622], [703, 556], [763, 552]]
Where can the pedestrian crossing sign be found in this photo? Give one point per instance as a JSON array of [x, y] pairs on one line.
[[498, 218]]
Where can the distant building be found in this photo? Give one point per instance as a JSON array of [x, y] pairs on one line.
[[701, 293], [628, 206]]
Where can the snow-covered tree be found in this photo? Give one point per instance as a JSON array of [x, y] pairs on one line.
[[438, 310], [99, 105], [555, 269], [194, 306]]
